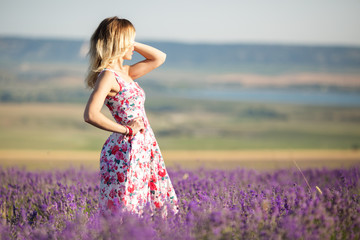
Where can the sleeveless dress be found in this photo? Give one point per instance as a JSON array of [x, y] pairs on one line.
[[132, 169]]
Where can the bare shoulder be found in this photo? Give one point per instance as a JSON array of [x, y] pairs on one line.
[[106, 75], [106, 79]]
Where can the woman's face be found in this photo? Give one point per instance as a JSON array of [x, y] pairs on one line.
[[130, 51]]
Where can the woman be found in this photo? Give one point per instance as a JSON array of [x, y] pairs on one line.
[[133, 172]]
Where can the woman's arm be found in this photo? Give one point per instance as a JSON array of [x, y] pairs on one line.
[[92, 113], [154, 58]]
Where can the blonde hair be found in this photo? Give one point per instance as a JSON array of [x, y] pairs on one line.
[[112, 38]]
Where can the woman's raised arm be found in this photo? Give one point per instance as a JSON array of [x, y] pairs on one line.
[[154, 58]]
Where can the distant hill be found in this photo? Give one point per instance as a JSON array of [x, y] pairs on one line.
[[53, 70], [22, 50], [253, 58]]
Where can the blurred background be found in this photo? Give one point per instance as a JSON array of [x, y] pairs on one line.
[[253, 84]]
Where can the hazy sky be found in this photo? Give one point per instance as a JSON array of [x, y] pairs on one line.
[[329, 22]]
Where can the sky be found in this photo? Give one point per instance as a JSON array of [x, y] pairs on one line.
[[306, 22]]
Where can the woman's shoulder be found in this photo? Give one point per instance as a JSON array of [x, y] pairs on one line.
[[106, 73], [106, 77]]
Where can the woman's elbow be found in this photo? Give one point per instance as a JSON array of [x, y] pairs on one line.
[[88, 117], [161, 59]]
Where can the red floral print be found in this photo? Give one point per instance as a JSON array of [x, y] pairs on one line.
[[152, 186], [127, 164], [115, 149], [162, 173], [157, 204], [131, 188], [121, 177]]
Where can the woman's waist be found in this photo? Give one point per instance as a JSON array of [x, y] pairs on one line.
[[125, 119], [140, 138]]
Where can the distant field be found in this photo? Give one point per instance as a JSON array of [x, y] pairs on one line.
[[293, 79], [187, 125], [190, 134]]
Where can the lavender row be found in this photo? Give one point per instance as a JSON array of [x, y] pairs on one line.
[[214, 204]]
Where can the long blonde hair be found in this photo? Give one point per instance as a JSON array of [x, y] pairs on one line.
[[111, 40]]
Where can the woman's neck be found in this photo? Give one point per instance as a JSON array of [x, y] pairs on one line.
[[117, 66]]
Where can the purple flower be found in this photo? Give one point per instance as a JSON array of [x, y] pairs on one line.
[[213, 204]]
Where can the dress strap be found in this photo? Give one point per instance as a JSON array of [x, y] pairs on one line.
[[117, 76], [107, 69]]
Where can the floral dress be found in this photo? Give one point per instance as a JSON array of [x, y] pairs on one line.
[[132, 169]]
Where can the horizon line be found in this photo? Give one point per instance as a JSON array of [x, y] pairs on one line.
[[194, 42]]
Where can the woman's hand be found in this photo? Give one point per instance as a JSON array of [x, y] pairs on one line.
[[137, 125], [154, 58]]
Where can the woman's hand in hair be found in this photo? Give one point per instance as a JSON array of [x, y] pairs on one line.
[[154, 58]]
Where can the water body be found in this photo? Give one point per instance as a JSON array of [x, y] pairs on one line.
[[274, 95]]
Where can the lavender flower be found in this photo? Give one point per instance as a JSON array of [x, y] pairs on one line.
[[214, 204]]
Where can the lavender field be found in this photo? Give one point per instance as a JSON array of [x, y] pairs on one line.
[[214, 204]]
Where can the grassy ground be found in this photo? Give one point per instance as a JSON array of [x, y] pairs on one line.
[[182, 125], [191, 134]]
